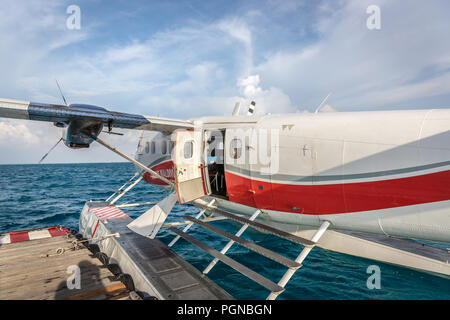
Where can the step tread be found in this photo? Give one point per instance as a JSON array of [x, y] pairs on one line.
[[248, 244], [266, 283], [263, 227]]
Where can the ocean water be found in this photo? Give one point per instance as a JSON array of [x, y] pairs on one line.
[[34, 196]]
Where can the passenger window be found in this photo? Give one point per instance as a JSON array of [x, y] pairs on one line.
[[236, 148], [163, 147], [153, 147], [188, 149], [147, 147]]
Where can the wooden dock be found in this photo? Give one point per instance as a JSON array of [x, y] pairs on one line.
[[39, 269], [111, 261]]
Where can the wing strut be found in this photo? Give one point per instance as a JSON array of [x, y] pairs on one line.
[[151, 221], [137, 163], [119, 191], [122, 193]]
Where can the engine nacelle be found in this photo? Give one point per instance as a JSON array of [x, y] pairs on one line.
[[80, 132]]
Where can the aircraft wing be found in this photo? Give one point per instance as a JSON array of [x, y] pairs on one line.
[[64, 114]]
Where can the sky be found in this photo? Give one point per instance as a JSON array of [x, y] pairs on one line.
[[185, 59]]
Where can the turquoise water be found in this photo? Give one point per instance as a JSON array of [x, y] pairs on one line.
[[35, 196]]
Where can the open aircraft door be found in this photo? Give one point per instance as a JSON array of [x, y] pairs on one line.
[[189, 166]]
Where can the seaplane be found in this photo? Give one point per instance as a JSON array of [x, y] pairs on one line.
[[367, 183]]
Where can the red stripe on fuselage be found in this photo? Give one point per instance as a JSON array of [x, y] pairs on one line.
[[165, 169], [339, 198]]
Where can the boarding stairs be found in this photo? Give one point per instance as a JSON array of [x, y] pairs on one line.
[[292, 265]]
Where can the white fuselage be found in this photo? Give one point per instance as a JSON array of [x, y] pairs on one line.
[[384, 172]]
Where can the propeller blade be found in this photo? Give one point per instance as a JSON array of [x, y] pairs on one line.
[[150, 222], [60, 91], [45, 155]]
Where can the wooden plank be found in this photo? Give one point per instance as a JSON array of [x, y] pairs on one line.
[[266, 283], [25, 259], [50, 274], [122, 294], [31, 243], [94, 293], [64, 293], [35, 259], [35, 250], [24, 274], [55, 288], [30, 279], [46, 292]]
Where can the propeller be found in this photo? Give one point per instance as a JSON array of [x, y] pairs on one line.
[[78, 132], [45, 155], [57, 124]]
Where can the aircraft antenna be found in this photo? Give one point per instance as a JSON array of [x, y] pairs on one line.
[[237, 108], [321, 104], [251, 108]]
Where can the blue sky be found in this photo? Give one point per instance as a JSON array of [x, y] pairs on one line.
[[194, 58]]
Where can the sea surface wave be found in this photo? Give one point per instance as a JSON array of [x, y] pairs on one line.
[[34, 196]]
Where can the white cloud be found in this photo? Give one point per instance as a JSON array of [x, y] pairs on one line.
[[128, 53], [203, 68], [365, 68], [237, 29], [250, 86], [272, 100], [12, 131]]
